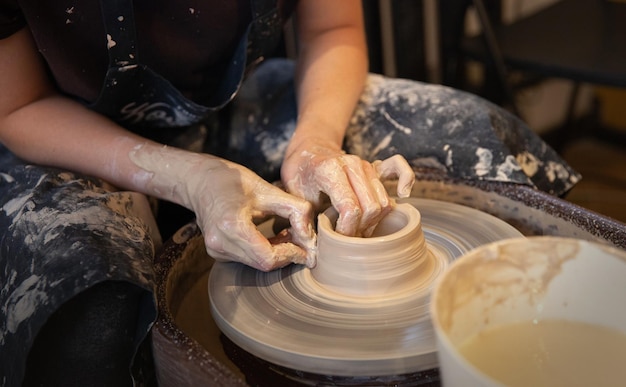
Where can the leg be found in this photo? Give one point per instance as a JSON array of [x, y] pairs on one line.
[[88, 340], [465, 136], [61, 235], [434, 126]]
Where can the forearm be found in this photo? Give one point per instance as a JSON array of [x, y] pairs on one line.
[[56, 131], [332, 67], [43, 127]]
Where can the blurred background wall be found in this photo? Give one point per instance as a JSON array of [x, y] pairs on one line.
[[404, 41]]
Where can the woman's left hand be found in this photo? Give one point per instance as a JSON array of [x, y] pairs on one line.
[[353, 185]]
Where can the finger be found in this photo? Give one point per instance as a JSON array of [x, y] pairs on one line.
[[285, 251], [332, 179], [271, 200], [369, 231], [239, 243], [378, 187], [397, 167], [379, 205], [299, 212], [283, 236], [284, 248], [261, 254], [361, 174], [236, 238], [274, 253]]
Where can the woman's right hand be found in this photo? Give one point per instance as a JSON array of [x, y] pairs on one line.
[[227, 198]]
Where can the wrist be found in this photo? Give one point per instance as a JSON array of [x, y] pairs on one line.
[[164, 171], [321, 130], [314, 142]]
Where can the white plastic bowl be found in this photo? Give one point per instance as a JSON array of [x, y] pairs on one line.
[[520, 280]]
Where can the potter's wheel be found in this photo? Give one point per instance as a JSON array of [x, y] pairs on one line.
[[286, 318]]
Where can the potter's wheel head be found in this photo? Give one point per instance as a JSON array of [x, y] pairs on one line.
[[286, 318]]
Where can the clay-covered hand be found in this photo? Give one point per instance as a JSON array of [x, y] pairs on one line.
[[353, 185], [226, 199]]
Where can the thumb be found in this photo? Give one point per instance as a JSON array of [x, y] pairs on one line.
[[397, 167]]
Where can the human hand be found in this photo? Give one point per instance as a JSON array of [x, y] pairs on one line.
[[353, 185], [227, 198]]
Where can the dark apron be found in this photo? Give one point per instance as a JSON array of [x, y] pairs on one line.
[[68, 238], [137, 98]]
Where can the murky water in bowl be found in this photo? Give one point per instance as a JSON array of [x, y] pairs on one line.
[[549, 353]]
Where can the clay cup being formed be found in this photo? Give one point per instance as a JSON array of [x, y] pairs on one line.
[[386, 263]]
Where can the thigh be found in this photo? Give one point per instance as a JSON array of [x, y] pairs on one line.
[[89, 340], [456, 132], [61, 234]]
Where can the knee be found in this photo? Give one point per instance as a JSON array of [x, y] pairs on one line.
[[90, 340]]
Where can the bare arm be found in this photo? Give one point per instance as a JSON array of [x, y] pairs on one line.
[[332, 68], [41, 126]]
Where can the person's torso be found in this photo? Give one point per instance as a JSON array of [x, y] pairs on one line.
[[188, 43]]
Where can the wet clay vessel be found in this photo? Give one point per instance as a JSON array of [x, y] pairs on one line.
[[388, 263]]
